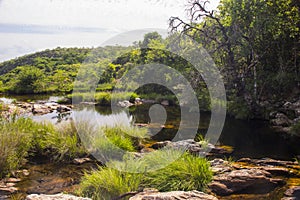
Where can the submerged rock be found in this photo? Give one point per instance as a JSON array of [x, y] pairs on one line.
[[54, 197], [176, 195], [292, 194]]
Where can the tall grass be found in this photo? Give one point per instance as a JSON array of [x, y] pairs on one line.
[[112, 142], [108, 183], [186, 173], [22, 137], [60, 143], [15, 142]]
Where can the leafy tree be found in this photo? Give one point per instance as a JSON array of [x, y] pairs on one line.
[[254, 42], [29, 80]]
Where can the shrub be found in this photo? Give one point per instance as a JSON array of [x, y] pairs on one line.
[[15, 142], [295, 129], [187, 173], [60, 143], [108, 183], [111, 142]]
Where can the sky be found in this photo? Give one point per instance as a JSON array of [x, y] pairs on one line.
[[27, 26]]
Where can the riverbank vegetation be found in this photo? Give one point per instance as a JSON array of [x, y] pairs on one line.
[[22, 138], [185, 173]]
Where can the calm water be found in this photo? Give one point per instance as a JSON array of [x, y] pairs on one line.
[[254, 139]]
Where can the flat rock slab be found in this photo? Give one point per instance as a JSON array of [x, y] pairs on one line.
[[176, 195], [54, 197], [245, 181]]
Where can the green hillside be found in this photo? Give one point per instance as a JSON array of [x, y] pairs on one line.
[[53, 70]]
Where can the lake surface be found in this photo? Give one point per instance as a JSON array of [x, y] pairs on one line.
[[254, 139]]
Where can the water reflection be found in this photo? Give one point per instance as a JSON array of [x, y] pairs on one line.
[[102, 116], [254, 139]]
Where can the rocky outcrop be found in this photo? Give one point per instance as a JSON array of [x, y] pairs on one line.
[[219, 166], [54, 197], [285, 116], [275, 167], [254, 181], [7, 186], [176, 195], [292, 194], [281, 120], [251, 176], [197, 148]]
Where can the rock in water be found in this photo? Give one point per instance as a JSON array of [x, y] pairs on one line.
[[292, 193]]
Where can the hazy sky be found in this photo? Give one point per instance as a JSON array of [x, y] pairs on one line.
[[30, 25]]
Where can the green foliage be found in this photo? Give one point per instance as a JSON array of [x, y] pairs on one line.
[[239, 109], [187, 173], [1, 87], [102, 98], [109, 183], [60, 143], [28, 80], [295, 129], [22, 137], [105, 87], [111, 142], [15, 142]]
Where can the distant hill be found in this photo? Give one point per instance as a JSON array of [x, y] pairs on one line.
[[58, 56], [54, 70]]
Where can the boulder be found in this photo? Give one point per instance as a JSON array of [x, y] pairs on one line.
[[281, 120], [175, 195], [254, 181], [189, 145], [124, 104], [199, 148], [54, 197], [292, 194], [219, 166], [63, 108]]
